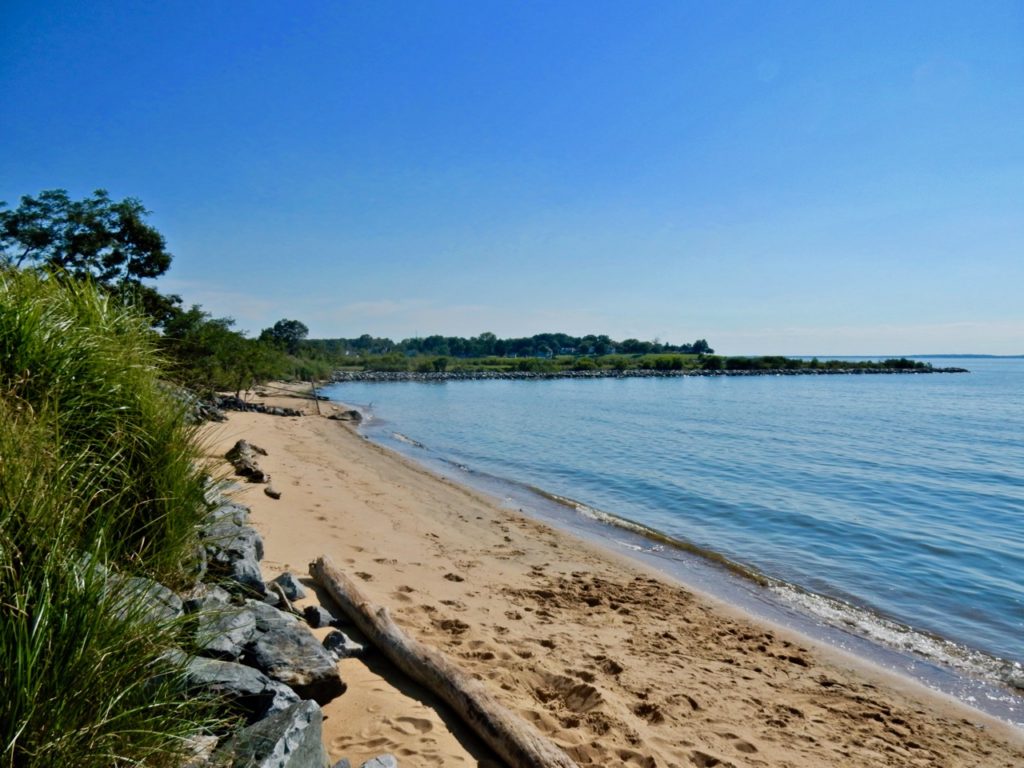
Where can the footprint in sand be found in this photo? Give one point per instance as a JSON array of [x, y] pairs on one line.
[[411, 726]]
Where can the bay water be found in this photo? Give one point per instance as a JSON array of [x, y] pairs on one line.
[[889, 507]]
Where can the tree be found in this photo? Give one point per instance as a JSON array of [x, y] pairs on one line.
[[287, 334], [94, 237]]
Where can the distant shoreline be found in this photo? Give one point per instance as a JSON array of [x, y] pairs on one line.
[[386, 376]]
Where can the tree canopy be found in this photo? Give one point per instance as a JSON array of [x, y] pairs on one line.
[[96, 237], [287, 334]]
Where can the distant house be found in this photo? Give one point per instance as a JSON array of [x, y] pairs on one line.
[[567, 351]]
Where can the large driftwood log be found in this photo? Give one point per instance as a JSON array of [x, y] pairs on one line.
[[509, 735]]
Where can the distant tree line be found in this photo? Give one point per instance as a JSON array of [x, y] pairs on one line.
[[541, 345]]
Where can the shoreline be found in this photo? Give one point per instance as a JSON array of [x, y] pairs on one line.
[[601, 653], [943, 666]]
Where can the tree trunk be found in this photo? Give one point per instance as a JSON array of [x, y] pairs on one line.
[[510, 736]]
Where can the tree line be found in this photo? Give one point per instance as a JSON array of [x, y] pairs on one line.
[[542, 345], [110, 244]]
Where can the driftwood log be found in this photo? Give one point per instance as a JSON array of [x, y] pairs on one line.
[[510, 736]]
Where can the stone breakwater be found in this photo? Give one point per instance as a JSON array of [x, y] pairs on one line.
[[343, 376]]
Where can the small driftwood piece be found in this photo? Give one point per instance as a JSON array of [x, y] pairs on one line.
[[510, 736]]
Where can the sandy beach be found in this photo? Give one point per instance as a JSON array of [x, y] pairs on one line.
[[612, 662]]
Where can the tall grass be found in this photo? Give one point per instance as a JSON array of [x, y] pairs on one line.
[[97, 469]]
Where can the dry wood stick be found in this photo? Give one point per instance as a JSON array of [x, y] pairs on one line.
[[510, 736]]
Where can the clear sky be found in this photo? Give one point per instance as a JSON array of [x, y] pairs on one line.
[[794, 178]]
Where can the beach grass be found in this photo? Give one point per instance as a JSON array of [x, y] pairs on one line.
[[99, 479]]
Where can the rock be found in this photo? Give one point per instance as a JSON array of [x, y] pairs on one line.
[[243, 458], [292, 588], [272, 492], [381, 761], [343, 763], [154, 600], [223, 631], [247, 688], [267, 617], [316, 616], [228, 511], [352, 415], [291, 738], [234, 551], [341, 646], [203, 596], [288, 651]]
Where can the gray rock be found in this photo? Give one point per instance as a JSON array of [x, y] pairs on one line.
[[223, 631], [343, 763], [381, 761], [268, 617], [250, 690], [137, 594], [292, 587], [290, 653], [341, 646], [291, 738], [316, 616], [228, 511], [203, 596], [234, 551], [272, 492]]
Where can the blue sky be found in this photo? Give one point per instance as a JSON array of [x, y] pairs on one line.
[[795, 178]]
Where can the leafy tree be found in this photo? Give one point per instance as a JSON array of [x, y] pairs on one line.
[[95, 237], [287, 334]]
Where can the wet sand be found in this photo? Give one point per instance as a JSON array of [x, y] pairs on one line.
[[614, 663]]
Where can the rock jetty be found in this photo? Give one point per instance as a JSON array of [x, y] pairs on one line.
[[638, 373]]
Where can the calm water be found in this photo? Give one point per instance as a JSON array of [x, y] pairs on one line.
[[897, 498]]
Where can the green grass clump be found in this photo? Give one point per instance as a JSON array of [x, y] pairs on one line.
[[97, 470]]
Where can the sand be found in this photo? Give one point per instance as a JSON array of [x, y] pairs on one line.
[[614, 663]]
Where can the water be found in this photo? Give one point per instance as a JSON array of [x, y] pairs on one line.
[[889, 506]]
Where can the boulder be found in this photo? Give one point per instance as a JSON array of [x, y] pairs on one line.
[[268, 617], [234, 551], [255, 694], [228, 511], [288, 652], [222, 631], [153, 599], [203, 596], [341, 646], [292, 587], [291, 738], [381, 761]]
